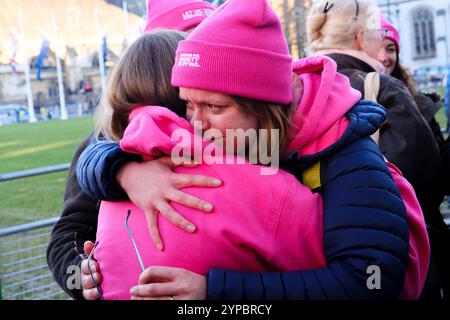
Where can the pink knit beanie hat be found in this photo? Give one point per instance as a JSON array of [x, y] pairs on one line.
[[239, 50], [177, 14], [392, 33]]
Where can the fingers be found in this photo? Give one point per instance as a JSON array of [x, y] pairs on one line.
[[87, 282], [90, 294], [155, 290], [86, 279], [166, 210], [154, 298], [166, 161], [195, 180], [184, 162], [189, 165], [152, 221], [173, 162], [89, 290], [188, 200], [88, 246], [94, 266], [156, 273]]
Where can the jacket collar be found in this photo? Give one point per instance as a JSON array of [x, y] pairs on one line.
[[346, 61], [365, 118]]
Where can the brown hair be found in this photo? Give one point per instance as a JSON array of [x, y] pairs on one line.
[[141, 77], [270, 116], [404, 75]]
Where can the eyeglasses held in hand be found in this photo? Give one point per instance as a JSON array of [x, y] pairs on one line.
[[90, 257], [97, 287], [134, 242]]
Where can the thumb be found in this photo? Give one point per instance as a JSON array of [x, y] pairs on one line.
[[167, 161], [188, 163], [88, 246], [173, 162]]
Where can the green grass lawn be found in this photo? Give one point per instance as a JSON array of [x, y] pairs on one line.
[[26, 146]]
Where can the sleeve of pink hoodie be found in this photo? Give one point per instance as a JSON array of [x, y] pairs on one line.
[[151, 130], [419, 245]]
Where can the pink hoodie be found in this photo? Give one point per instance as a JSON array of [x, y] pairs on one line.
[[321, 118], [259, 222]]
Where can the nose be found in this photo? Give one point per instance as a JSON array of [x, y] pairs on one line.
[[382, 57], [199, 120]]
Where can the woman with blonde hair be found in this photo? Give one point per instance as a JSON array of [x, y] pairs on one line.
[[429, 104], [349, 32]]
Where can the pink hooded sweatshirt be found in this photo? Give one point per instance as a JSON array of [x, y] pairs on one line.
[[259, 222], [326, 99]]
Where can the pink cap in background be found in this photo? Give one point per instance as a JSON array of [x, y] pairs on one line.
[[392, 33], [240, 50], [176, 14]]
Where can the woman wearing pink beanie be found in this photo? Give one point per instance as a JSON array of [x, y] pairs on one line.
[[429, 104], [237, 63], [391, 46], [182, 15]]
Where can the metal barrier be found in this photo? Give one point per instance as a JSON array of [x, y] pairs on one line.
[[24, 273], [33, 172]]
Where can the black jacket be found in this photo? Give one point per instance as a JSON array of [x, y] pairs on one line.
[[405, 137], [78, 223]]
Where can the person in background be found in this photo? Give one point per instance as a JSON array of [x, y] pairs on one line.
[[429, 105], [348, 31], [389, 56], [181, 15]]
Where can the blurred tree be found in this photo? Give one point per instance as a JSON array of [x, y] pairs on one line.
[[293, 14], [286, 22], [300, 27]]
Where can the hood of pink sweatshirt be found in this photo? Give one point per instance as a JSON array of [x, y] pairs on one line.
[[319, 119], [259, 222]]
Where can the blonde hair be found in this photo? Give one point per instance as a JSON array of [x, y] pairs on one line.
[[335, 24], [141, 77]]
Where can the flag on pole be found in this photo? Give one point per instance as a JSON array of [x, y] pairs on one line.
[[105, 49], [44, 49], [14, 47]]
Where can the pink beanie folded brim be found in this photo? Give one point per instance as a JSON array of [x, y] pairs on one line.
[[392, 33], [182, 18], [264, 75]]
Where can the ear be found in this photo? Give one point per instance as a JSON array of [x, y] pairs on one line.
[[359, 40], [297, 90]]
